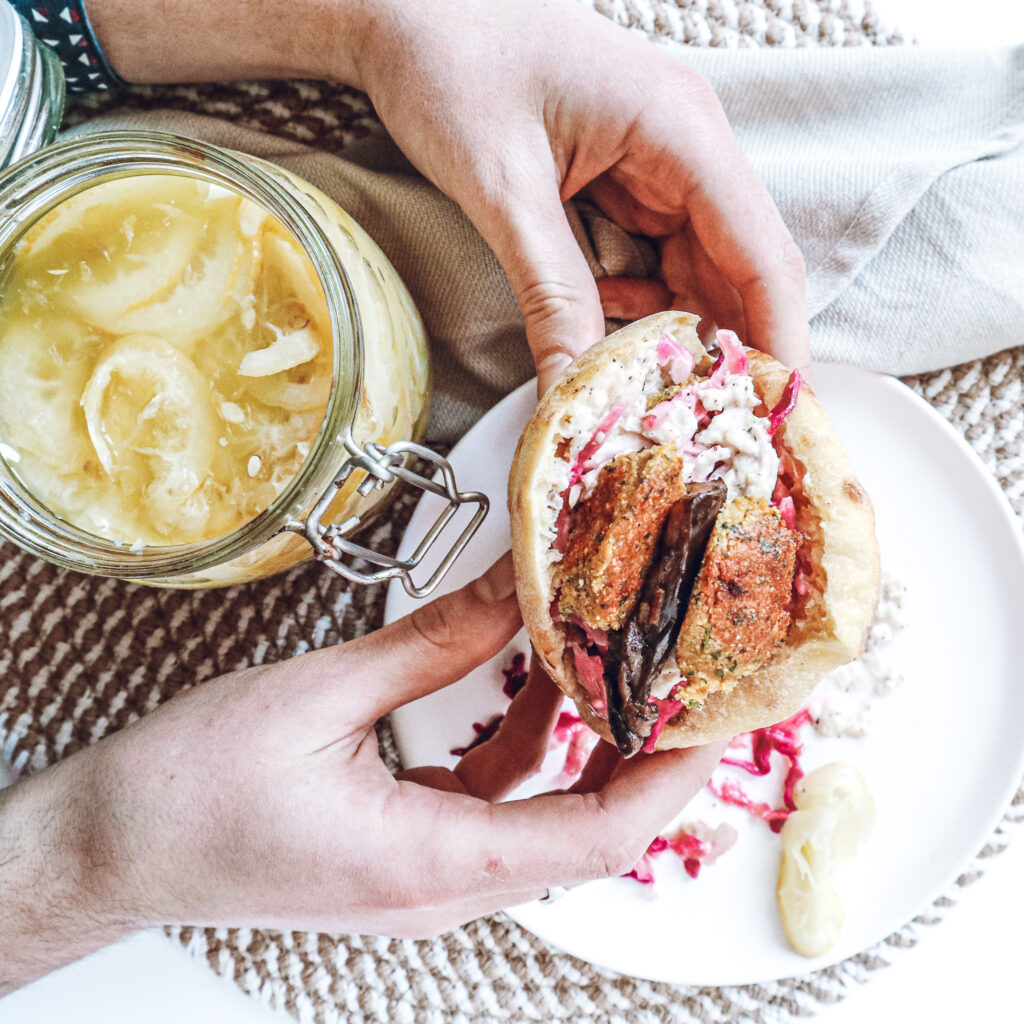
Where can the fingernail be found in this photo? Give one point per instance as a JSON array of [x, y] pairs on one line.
[[499, 582]]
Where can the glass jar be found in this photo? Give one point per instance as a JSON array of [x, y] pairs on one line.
[[378, 399], [31, 90]]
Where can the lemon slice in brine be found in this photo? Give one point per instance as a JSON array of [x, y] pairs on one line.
[[115, 247], [43, 366], [152, 421]]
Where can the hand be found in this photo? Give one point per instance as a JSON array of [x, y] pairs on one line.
[[259, 799], [513, 107]]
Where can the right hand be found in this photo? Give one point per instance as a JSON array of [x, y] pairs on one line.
[[259, 799]]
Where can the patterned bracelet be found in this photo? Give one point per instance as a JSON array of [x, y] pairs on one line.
[[64, 26]]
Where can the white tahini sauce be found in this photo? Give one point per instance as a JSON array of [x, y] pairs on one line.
[[843, 702]]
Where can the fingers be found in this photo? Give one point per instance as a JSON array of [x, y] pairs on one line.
[[630, 213], [433, 777], [570, 838], [684, 159], [439, 643], [699, 286], [629, 298], [517, 750], [598, 770], [525, 224], [744, 236]]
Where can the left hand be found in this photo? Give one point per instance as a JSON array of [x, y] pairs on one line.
[[513, 107]]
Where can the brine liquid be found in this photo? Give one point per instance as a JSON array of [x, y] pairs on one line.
[[165, 360]]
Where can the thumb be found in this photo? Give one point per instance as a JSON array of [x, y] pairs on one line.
[[528, 231], [437, 644]]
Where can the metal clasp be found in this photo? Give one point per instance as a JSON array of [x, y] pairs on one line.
[[383, 466]]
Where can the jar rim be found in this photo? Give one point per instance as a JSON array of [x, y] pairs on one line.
[[38, 184], [32, 89]]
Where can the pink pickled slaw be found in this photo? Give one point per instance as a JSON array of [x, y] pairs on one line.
[[590, 668], [570, 729], [580, 463], [515, 676], [483, 731], [687, 397], [782, 738], [696, 846], [667, 709], [786, 403], [675, 358], [734, 359]]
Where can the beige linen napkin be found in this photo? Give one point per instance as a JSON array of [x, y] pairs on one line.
[[899, 172], [901, 175]]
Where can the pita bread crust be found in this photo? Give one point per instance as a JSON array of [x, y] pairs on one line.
[[846, 563]]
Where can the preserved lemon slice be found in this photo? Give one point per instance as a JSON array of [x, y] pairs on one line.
[[152, 420], [85, 221], [115, 247], [296, 276], [155, 262], [211, 288], [291, 349], [41, 366], [834, 812], [293, 396]]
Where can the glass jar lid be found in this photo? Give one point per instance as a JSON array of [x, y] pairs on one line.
[[31, 90]]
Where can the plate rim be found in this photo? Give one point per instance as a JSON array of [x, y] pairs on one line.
[[1006, 793]]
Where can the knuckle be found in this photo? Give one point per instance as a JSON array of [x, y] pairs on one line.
[[617, 850], [792, 260], [687, 86], [436, 624], [546, 302], [699, 90]]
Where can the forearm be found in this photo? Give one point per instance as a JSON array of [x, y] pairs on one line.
[[55, 903], [196, 40]]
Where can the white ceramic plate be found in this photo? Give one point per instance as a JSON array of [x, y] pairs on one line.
[[943, 759]]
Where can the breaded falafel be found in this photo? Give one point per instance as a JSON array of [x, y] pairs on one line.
[[739, 612]]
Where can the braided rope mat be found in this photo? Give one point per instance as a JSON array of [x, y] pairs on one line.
[[83, 657]]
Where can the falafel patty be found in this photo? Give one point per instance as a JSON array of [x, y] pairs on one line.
[[615, 533], [739, 612]]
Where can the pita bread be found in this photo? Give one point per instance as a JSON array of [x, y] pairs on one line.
[[834, 515]]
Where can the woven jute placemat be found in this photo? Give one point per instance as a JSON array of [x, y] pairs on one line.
[[83, 657]]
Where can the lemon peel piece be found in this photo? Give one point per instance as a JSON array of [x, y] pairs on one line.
[[288, 350], [835, 810], [149, 412]]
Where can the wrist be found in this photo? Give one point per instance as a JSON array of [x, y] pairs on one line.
[[58, 886], [194, 40]]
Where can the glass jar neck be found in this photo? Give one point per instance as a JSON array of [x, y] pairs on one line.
[[31, 90], [37, 185]]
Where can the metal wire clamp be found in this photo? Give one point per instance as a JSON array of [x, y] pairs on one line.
[[382, 467]]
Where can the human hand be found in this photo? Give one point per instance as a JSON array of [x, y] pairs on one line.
[[260, 799], [513, 107]]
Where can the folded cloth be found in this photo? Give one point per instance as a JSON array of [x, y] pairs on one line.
[[898, 170], [900, 173]]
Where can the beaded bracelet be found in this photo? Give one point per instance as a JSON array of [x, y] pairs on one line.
[[64, 26]]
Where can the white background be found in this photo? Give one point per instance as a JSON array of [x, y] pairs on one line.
[[966, 968]]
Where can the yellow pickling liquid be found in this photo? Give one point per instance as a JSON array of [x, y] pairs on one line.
[[165, 360]]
